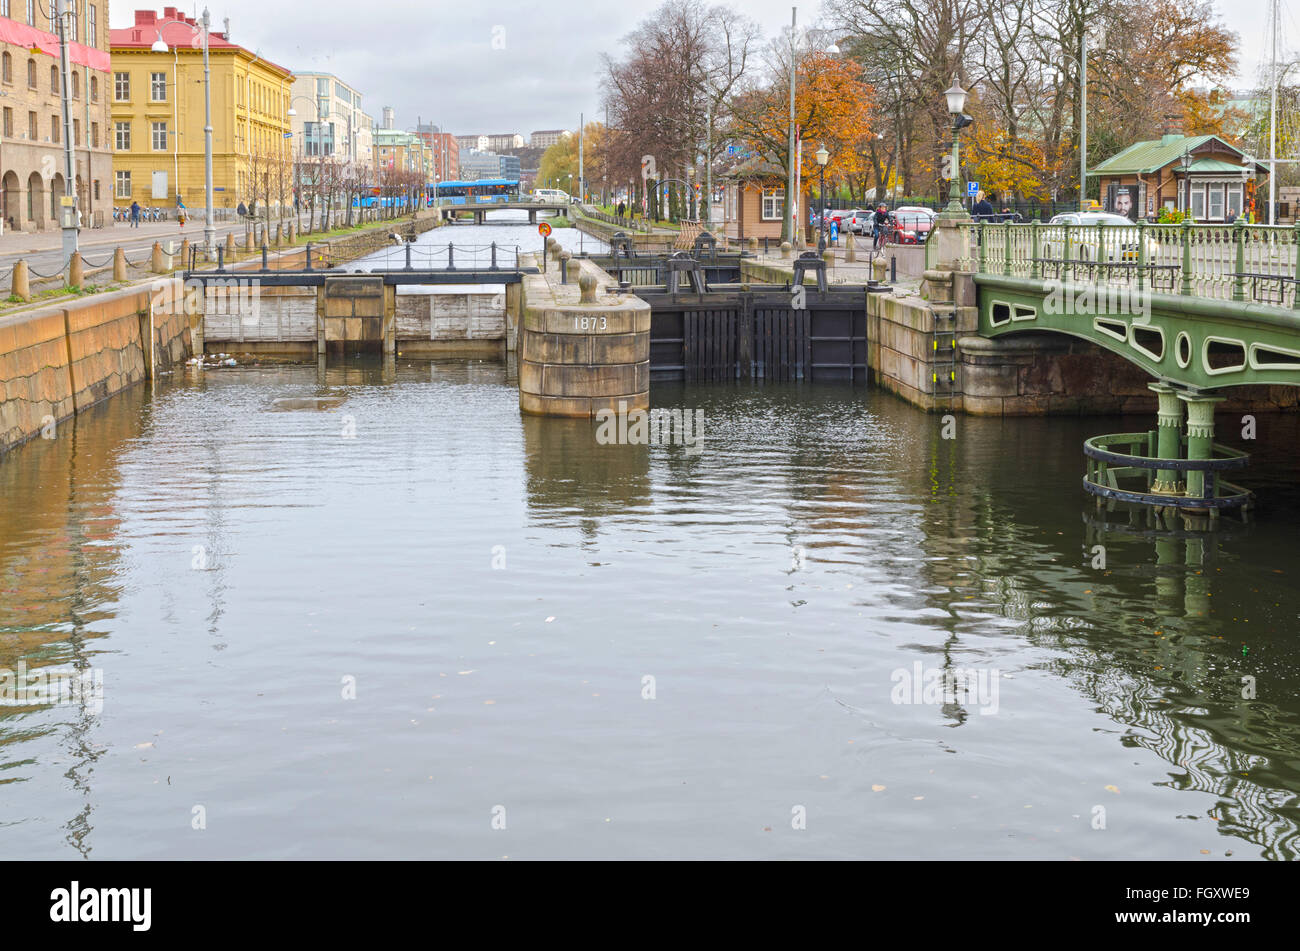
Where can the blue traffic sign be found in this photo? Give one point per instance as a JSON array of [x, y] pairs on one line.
[[835, 230], [972, 188]]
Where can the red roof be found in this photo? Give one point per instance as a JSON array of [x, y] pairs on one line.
[[187, 33]]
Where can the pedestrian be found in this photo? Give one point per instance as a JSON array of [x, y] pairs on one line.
[[983, 210], [242, 210], [881, 222], [135, 214], [621, 208]]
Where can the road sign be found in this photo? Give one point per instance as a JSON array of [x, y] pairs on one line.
[[835, 230], [544, 230], [972, 188], [648, 168]]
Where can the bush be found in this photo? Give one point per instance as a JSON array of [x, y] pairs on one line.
[[1170, 216]]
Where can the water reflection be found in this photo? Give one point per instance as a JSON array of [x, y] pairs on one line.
[[225, 559]]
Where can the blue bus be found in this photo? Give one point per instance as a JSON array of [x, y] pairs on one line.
[[483, 191]]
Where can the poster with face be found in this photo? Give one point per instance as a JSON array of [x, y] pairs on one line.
[[1123, 201]]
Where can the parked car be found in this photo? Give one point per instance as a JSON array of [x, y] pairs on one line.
[[1111, 238], [912, 225], [857, 221]]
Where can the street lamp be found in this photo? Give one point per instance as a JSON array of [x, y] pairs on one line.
[[690, 187], [956, 97], [822, 158], [1186, 163], [160, 46], [297, 166], [68, 204]]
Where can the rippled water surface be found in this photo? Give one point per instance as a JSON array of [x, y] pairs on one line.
[[628, 650]]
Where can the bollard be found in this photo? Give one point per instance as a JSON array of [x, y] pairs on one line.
[[878, 270], [156, 263], [786, 248], [185, 254], [587, 286], [307, 257], [829, 257], [264, 258], [230, 245], [277, 236], [564, 267], [76, 270], [22, 282], [752, 244], [221, 258], [850, 251], [119, 265], [893, 269], [248, 238]]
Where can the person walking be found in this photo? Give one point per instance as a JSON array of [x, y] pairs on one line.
[[135, 214], [242, 210], [983, 209], [621, 209]]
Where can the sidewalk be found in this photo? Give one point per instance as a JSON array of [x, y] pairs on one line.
[[35, 242]]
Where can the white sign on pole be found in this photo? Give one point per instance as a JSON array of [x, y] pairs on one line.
[[648, 168]]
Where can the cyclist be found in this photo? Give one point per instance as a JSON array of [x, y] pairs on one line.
[[880, 221]]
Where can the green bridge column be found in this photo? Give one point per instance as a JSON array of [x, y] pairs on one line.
[[1169, 435], [1200, 435]]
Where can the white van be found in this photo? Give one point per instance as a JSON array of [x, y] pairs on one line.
[[552, 194]]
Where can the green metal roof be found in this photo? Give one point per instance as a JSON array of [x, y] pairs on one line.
[[1142, 158], [1215, 165]]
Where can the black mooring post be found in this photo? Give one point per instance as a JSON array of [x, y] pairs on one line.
[[494, 256], [264, 263], [221, 258], [309, 255], [408, 255], [451, 256], [893, 269]]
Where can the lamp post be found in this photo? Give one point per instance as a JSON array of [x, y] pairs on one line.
[[690, 188], [956, 97], [69, 201], [1186, 163], [160, 46], [822, 158]]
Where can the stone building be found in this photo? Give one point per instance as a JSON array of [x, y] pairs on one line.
[[33, 157]]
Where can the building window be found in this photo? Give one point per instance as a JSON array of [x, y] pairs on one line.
[[54, 129], [773, 204], [4, 8], [1198, 202], [1234, 200], [159, 136], [123, 189], [8, 67], [158, 87], [94, 86], [96, 180], [9, 122], [76, 131], [122, 136], [122, 87], [54, 80], [1215, 202], [31, 126], [76, 85], [92, 27], [94, 135], [31, 74]]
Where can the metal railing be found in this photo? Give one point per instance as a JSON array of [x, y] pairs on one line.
[[1238, 262]]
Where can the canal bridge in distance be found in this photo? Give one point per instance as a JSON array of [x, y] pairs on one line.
[[479, 210]]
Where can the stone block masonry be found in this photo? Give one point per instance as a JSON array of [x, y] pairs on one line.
[[61, 360]]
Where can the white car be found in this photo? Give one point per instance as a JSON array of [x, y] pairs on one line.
[[552, 194], [1095, 236]]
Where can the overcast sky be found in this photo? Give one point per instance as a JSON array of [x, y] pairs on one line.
[[437, 61]]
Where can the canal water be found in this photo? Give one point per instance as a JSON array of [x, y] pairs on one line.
[[413, 623]]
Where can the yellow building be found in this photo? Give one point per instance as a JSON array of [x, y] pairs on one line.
[[158, 114]]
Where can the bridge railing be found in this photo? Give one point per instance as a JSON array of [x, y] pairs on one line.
[[1238, 262]]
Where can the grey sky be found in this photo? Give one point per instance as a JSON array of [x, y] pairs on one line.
[[436, 61]]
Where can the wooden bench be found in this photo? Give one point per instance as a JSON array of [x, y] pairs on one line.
[[685, 241]]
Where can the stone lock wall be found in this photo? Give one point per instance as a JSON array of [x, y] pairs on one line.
[[576, 358], [59, 361]]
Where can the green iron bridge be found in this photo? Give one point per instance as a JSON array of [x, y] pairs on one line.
[[1199, 307]]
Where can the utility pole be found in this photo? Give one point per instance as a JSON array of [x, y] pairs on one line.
[[789, 172], [708, 165], [1272, 128], [1083, 116], [68, 205], [582, 191], [209, 230]]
